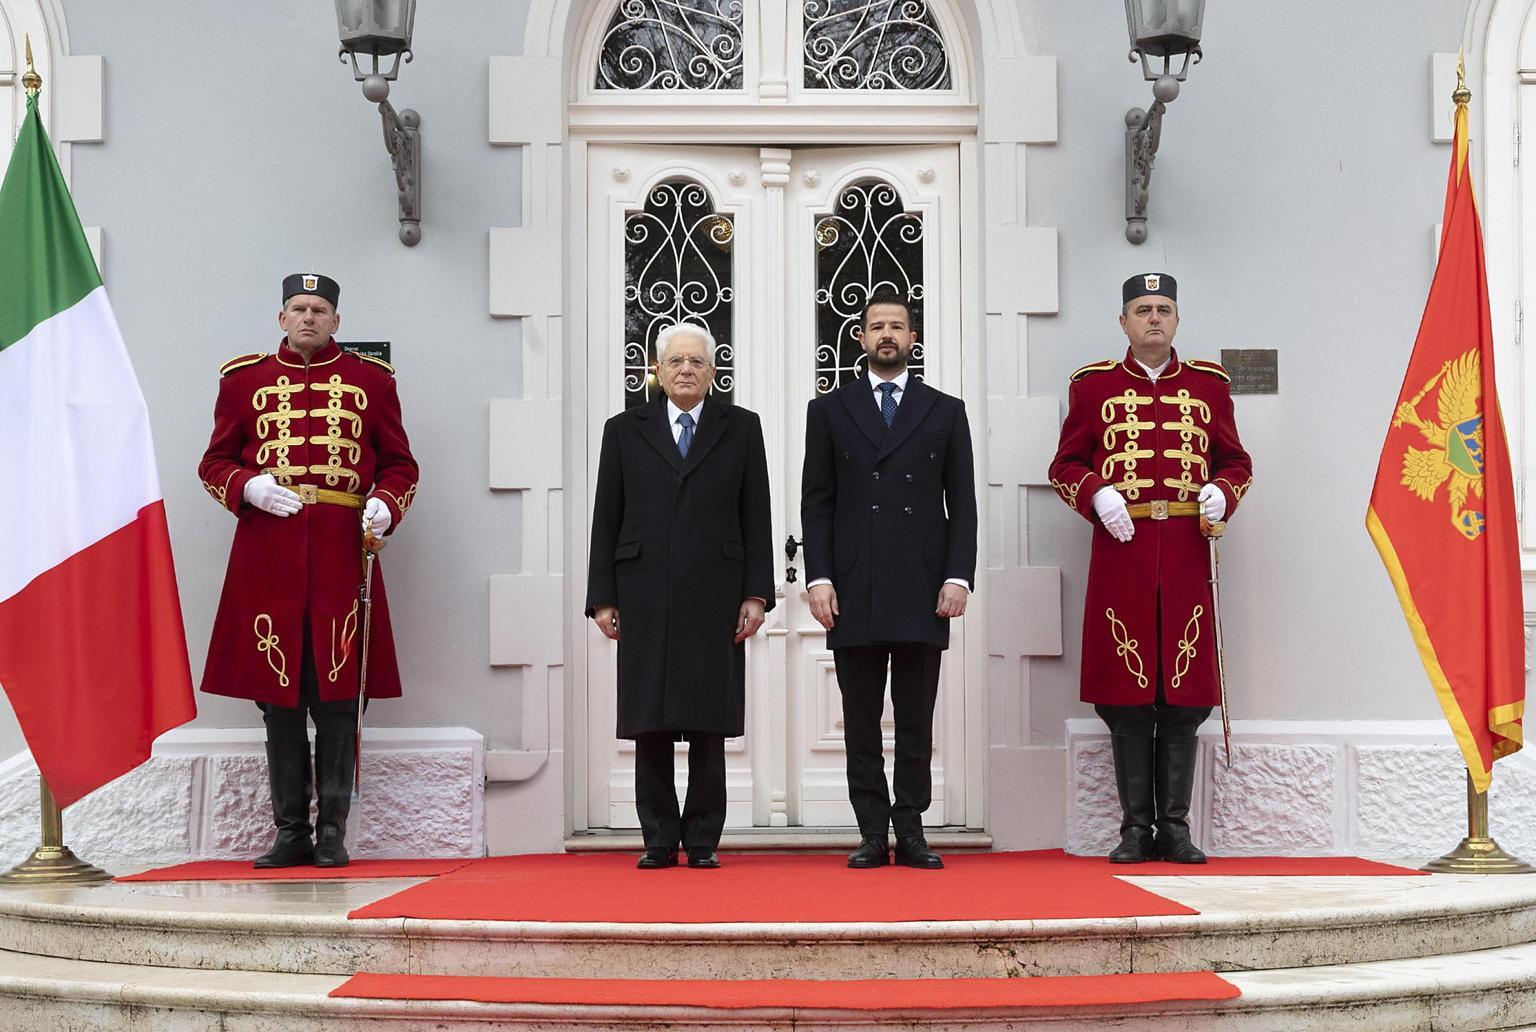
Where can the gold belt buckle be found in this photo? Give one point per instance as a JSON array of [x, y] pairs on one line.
[[1159, 510], [309, 494]]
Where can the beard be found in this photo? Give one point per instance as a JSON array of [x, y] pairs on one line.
[[896, 360]]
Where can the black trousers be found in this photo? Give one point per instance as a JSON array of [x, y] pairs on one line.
[[286, 724], [914, 673], [702, 818]]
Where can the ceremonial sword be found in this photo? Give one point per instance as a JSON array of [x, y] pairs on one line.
[[1213, 529], [371, 546]]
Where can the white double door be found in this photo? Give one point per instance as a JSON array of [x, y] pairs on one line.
[[774, 249]]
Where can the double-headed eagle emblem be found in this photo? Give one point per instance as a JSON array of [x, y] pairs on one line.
[[1457, 441]]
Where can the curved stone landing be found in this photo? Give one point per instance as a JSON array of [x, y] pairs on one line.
[[302, 928], [1443, 953], [1491, 989]]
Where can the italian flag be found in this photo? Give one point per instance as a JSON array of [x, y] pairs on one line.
[[92, 652]]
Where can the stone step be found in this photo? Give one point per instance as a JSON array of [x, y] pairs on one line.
[[1468, 992], [301, 927]]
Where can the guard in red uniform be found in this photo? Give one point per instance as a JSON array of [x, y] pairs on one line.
[[307, 447], [1150, 446]]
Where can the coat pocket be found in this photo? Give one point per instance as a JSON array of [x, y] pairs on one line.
[[733, 550], [628, 550]]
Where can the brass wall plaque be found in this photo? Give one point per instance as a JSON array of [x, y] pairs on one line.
[[1253, 370], [376, 348]]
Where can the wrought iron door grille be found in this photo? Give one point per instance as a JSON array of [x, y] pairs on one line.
[[873, 45], [868, 243], [677, 268], [672, 45]]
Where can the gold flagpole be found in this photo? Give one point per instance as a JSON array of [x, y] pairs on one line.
[[51, 862], [1478, 852]]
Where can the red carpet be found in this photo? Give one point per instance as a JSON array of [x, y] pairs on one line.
[[878, 994], [802, 888], [241, 870]]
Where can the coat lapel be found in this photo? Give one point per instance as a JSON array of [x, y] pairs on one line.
[[859, 399], [657, 431], [916, 400], [711, 429]]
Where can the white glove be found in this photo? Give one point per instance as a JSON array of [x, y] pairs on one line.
[[268, 495], [376, 516], [1110, 508], [1213, 504]]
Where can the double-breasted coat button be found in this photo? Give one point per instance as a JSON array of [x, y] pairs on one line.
[[877, 474], [909, 478], [874, 508], [908, 510]]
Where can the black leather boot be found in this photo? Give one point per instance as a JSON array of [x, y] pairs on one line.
[[334, 759], [1133, 783], [1175, 784], [289, 780]]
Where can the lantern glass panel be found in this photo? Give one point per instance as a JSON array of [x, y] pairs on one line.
[[375, 26], [1163, 27]]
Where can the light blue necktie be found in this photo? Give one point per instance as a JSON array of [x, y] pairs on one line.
[[685, 439], [888, 403]]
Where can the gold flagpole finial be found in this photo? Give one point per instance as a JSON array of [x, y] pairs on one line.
[[30, 79], [1461, 95]]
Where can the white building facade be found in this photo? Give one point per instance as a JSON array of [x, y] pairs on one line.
[[755, 167]]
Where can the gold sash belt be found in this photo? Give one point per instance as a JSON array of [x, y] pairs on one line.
[[309, 494], [1162, 510]]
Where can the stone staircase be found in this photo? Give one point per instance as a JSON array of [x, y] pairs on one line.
[[1361, 953]]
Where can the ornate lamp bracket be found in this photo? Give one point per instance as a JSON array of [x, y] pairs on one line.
[[1143, 132], [402, 139]]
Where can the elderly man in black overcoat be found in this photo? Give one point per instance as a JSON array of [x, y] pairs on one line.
[[681, 574], [888, 510]]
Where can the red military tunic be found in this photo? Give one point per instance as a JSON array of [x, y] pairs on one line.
[[333, 425], [1148, 610]]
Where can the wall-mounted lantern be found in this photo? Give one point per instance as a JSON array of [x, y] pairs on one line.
[[1169, 29], [382, 29]]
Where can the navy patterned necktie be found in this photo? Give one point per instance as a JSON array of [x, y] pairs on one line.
[[685, 439], [888, 402]]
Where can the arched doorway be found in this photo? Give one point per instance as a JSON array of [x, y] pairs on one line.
[[759, 169]]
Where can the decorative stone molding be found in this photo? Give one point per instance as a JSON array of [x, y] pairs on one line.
[[203, 796], [1392, 789]]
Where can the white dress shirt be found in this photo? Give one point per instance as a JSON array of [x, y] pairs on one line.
[[900, 380]]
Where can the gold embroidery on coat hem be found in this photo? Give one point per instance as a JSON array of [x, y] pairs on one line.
[[348, 632], [1187, 649], [1126, 649], [266, 642]]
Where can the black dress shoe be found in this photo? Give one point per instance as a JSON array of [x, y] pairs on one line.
[[703, 858], [872, 852], [914, 852], [656, 857]]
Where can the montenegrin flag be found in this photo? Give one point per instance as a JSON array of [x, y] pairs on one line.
[[1442, 510], [92, 652]]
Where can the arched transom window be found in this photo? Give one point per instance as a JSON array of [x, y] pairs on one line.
[[825, 46]]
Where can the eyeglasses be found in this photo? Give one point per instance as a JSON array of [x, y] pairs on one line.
[[691, 361]]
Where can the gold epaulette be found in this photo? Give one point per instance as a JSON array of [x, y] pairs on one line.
[[1209, 367], [240, 363], [1094, 367], [376, 361]]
